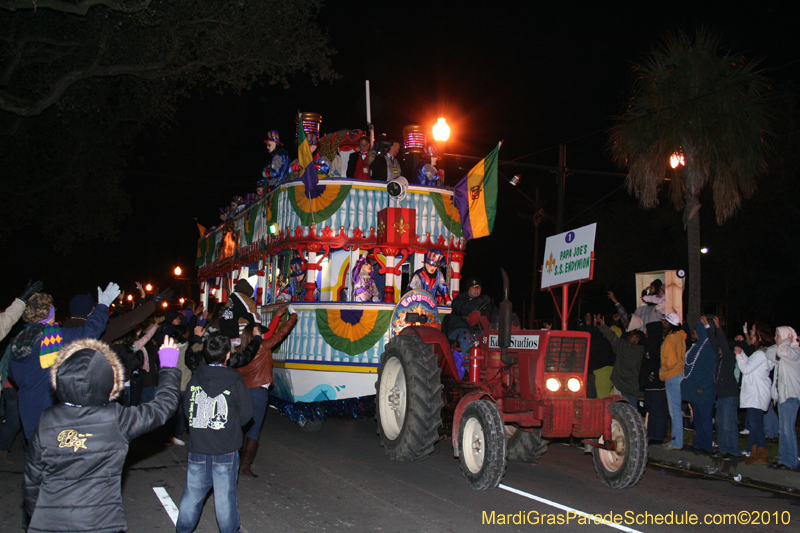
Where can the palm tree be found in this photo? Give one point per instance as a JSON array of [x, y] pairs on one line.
[[692, 99]]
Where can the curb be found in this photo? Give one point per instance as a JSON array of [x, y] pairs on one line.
[[730, 469]]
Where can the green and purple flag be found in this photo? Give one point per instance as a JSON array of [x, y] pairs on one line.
[[475, 196]]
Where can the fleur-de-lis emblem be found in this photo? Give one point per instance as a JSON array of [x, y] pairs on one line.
[[400, 226], [550, 263], [381, 227]]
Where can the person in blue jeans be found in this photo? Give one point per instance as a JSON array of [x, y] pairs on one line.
[[786, 391], [673, 356], [218, 404]]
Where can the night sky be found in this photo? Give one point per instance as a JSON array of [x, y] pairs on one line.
[[533, 75]]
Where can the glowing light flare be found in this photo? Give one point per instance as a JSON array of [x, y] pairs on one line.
[[574, 384], [178, 271], [130, 297], [165, 304], [181, 300], [148, 287], [552, 384], [441, 130], [676, 159], [704, 250]]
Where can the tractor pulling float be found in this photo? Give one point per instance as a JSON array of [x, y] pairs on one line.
[[522, 386]]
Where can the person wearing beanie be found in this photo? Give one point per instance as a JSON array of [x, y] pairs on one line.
[[34, 350], [81, 306], [463, 326], [241, 310], [72, 479]]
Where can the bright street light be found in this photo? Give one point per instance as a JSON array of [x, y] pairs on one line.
[[178, 271], [130, 297], [148, 287], [676, 159], [441, 131], [704, 250]]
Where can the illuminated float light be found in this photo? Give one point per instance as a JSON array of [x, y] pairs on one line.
[[148, 287], [441, 130], [273, 228], [311, 123], [165, 304], [130, 297], [178, 271], [552, 384], [574, 384], [181, 300], [414, 139]]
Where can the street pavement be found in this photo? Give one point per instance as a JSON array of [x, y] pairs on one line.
[[339, 480]]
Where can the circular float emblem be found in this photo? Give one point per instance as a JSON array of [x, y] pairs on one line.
[[570, 237], [416, 307]]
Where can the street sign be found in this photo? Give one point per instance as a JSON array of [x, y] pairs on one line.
[[568, 257]]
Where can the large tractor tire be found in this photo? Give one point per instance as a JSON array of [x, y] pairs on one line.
[[409, 399], [624, 467], [525, 446], [482, 445]]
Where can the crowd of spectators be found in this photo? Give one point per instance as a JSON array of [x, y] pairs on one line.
[[697, 379], [81, 391]]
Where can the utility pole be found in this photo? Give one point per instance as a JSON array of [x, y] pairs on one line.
[[535, 287], [562, 183]]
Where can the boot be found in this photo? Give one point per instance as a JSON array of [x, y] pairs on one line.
[[4, 460], [758, 456], [249, 450]]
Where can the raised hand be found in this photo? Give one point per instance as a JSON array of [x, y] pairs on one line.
[[30, 289], [107, 297], [163, 296]]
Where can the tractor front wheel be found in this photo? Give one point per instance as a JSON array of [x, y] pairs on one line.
[[623, 467], [409, 399], [482, 445]]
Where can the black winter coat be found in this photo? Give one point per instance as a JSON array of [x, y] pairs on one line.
[[72, 476], [724, 377]]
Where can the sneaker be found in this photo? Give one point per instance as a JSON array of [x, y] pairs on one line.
[[668, 446], [177, 442], [744, 432]]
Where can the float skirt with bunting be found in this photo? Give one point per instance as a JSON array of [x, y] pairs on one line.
[[352, 331], [318, 204]]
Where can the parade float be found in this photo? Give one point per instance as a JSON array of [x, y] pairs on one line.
[[305, 248]]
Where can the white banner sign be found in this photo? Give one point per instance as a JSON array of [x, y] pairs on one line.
[[568, 256]]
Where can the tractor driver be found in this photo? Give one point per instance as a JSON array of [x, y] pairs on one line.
[[464, 324]]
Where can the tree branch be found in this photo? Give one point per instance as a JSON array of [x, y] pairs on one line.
[[80, 8]]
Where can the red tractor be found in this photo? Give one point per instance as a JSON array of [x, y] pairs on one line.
[[523, 387]]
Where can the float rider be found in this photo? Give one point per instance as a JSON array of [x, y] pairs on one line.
[[278, 168], [431, 279]]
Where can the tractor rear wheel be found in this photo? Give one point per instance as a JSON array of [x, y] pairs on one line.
[[525, 446], [409, 399], [623, 467], [482, 445]]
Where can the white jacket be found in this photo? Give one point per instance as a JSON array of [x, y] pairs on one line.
[[787, 371], [756, 385]]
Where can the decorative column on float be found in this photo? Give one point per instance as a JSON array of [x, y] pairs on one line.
[[456, 260], [388, 289]]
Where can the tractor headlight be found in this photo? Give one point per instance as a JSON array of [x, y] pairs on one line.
[[552, 384], [574, 384]]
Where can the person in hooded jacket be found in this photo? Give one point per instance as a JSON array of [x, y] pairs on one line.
[[72, 479], [241, 310], [697, 386], [754, 397], [218, 405], [786, 392]]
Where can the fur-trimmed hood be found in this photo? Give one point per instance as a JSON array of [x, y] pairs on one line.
[[87, 372]]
